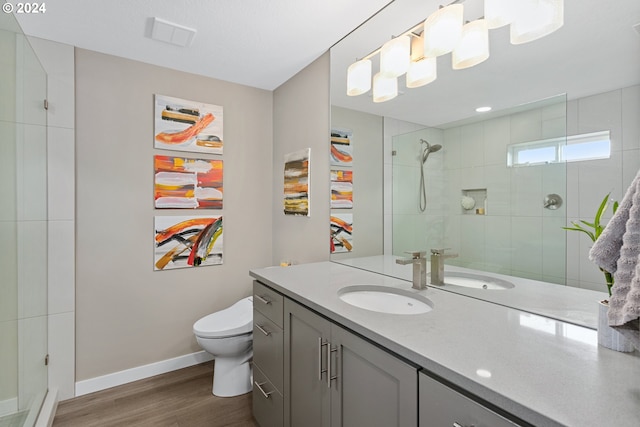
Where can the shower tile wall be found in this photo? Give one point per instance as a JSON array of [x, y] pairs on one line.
[[510, 236], [517, 235], [23, 227], [58, 60], [588, 182]]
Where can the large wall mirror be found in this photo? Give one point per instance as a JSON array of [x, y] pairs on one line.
[[428, 171]]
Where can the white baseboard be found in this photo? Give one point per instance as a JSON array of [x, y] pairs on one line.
[[8, 406], [141, 372]]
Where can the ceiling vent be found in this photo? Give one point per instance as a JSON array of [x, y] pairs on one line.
[[169, 32]]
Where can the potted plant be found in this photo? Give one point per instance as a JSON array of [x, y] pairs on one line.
[[607, 336], [594, 230]]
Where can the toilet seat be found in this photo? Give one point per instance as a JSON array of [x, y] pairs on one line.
[[232, 321]]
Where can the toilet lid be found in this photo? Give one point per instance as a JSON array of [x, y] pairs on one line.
[[232, 321]]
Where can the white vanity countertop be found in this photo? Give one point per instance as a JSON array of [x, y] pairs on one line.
[[546, 372], [574, 305]]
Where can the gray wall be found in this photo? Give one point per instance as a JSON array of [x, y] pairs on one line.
[[127, 314], [301, 120]]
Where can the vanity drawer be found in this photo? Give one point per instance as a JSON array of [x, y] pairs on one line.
[[440, 405], [268, 404], [268, 302], [267, 348]]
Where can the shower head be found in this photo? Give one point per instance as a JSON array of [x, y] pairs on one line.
[[429, 149]]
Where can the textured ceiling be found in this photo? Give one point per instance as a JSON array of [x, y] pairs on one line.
[[259, 43]]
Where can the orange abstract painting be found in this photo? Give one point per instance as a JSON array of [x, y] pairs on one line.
[[183, 183]]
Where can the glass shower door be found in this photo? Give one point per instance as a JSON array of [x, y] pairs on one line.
[[23, 229], [418, 191]]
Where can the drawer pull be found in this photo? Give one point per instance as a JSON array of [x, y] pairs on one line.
[[320, 370], [262, 299], [329, 377], [263, 330], [455, 424], [264, 393]]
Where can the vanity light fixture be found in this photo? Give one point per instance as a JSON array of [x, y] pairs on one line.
[[443, 32], [473, 47], [395, 56], [359, 77], [422, 70], [384, 88], [535, 19], [498, 13]]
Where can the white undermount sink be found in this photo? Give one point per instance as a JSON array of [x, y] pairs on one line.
[[476, 281], [384, 299]]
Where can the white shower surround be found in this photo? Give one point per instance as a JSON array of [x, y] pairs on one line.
[[475, 157]]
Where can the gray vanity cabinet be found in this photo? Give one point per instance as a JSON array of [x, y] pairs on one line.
[[334, 378], [443, 406], [268, 400]]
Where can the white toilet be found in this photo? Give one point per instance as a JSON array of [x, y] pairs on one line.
[[228, 336]]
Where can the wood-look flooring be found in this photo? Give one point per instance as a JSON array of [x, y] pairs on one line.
[[180, 398]]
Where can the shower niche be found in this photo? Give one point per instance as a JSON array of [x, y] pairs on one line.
[[474, 201]]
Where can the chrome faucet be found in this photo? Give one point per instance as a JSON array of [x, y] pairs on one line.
[[437, 265], [419, 268]]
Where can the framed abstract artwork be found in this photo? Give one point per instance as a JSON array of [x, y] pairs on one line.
[[184, 183], [187, 241], [182, 125], [296, 183], [341, 233], [341, 189], [341, 148]]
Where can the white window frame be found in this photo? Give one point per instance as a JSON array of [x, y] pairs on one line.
[[514, 150]]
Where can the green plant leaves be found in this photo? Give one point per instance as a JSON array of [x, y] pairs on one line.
[[598, 228]]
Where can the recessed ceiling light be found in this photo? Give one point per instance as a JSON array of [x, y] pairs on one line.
[[484, 373], [483, 109]]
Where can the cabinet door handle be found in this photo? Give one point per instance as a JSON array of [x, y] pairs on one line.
[[320, 370], [263, 330], [262, 299], [329, 377], [264, 393], [456, 424]]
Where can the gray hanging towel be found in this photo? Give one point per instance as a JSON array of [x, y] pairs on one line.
[[617, 250]]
